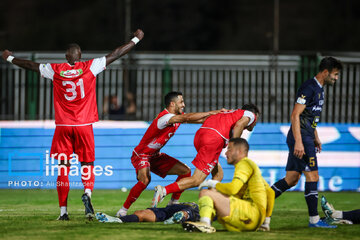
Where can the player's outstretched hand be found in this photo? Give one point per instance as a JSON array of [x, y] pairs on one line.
[[208, 183], [6, 53], [139, 34]]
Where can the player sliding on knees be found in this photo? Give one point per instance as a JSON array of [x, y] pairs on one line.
[[209, 141], [147, 157], [175, 213], [75, 112]]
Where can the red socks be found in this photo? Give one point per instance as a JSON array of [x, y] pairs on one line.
[[62, 185], [88, 176], [176, 195], [134, 193]]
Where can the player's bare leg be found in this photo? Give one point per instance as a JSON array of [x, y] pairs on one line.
[[193, 181], [290, 180], [217, 173], [183, 171], [144, 178]]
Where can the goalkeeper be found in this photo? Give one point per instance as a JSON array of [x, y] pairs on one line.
[[175, 213], [241, 205]]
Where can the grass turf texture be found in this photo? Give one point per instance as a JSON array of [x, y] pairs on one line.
[[31, 214]]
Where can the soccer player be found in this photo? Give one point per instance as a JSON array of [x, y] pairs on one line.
[[75, 112], [339, 217], [303, 140], [209, 140], [240, 205], [175, 213], [146, 156]]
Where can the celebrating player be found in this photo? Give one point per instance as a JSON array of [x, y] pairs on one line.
[[303, 140], [240, 205], [175, 213], [75, 112], [209, 140], [146, 156]]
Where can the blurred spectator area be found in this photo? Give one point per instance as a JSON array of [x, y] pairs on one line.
[[133, 89]]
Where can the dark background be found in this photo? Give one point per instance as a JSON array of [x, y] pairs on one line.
[[181, 25]]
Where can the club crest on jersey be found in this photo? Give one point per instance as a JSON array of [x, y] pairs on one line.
[[301, 100], [71, 73]]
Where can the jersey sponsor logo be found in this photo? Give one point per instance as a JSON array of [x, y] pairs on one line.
[[317, 108], [155, 145], [71, 73]]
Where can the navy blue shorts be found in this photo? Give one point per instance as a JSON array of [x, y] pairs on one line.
[[165, 213], [308, 162]]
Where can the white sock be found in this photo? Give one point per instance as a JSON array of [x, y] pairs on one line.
[[267, 220], [205, 220], [88, 191], [121, 212], [337, 214], [63, 210], [173, 201], [314, 219], [164, 191]]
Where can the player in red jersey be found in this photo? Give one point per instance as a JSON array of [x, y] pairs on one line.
[[209, 140], [146, 156], [75, 112]]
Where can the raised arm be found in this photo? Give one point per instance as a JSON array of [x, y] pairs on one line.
[[27, 64], [124, 49]]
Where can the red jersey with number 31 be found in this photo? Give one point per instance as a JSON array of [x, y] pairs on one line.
[[74, 90]]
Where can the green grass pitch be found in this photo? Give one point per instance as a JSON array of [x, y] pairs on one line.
[[31, 214]]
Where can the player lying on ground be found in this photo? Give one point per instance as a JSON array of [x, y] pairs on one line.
[[147, 157], [240, 205], [75, 111], [209, 141], [339, 217], [175, 213]]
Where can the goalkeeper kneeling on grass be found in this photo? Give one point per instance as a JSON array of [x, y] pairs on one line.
[[244, 204]]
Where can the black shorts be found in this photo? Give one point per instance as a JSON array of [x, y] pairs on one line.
[[165, 213], [308, 162]]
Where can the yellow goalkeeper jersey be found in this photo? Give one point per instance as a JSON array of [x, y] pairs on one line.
[[248, 184]]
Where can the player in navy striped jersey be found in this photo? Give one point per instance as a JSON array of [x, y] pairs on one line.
[[303, 140]]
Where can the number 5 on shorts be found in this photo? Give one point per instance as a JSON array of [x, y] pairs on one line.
[[311, 161]]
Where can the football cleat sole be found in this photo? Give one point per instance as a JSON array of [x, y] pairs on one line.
[[198, 227]]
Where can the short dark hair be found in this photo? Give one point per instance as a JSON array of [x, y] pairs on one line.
[[330, 63], [240, 142], [170, 97], [71, 46], [251, 107]]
